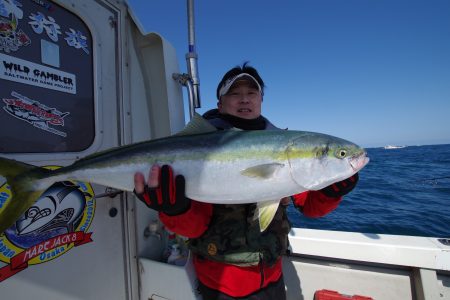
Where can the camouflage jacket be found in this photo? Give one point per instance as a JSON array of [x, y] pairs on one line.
[[234, 237]]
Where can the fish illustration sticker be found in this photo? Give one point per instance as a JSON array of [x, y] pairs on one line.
[[35, 113], [57, 222]]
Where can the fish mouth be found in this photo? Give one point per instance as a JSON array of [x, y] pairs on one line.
[[42, 214], [358, 162]]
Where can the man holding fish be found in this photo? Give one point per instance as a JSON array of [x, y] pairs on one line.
[[234, 255]]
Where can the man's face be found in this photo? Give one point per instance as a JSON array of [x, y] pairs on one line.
[[243, 100]]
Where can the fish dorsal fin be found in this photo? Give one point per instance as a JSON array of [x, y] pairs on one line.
[[197, 125], [264, 171], [266, 212]]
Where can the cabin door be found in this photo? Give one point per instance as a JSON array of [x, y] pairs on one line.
[[59, 95]]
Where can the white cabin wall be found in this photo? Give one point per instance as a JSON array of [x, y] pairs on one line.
[[156, 99], [152, 108]]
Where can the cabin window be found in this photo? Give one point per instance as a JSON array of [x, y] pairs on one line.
[[46, 79]]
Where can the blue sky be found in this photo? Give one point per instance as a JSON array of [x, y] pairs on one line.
[[375, 72]]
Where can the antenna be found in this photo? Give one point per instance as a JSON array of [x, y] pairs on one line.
[[191, 80]]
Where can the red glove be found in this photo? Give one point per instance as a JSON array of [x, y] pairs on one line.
[[169, 196], [341, 188]]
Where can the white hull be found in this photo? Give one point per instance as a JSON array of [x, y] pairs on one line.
[[372, 265]]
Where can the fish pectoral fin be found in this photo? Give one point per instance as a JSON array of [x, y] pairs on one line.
[[264, 171], [266, 211], [197, 125]]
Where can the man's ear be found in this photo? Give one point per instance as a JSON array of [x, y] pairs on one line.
[[219, 104]]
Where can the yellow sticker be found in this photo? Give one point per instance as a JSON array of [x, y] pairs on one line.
[[54, 224]]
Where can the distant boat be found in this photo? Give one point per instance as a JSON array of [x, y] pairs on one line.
[[393, 147]]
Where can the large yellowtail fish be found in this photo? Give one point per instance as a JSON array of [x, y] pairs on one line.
[[222, 167]]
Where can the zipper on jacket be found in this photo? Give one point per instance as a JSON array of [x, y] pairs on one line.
[[261, 271]]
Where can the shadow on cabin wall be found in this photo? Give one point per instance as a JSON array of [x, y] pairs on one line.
[[291, 280]]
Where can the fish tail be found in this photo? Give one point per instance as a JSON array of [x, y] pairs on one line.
[[22, 179]]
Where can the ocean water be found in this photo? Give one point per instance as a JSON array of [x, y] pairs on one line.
[[401, 191]]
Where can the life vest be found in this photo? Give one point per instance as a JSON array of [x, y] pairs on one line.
[[233, 236]]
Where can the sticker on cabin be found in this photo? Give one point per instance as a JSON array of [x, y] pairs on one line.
[[11, 37], [50, 53], [23, 71], [58, 74], [40, 23], [35, 113], [57, 222], [77, 40]]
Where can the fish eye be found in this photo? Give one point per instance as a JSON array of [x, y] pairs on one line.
[[341, 153], [32, 212]]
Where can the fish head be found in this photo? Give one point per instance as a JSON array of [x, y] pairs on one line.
[[318, 160], [62, 201], [37, 215]]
